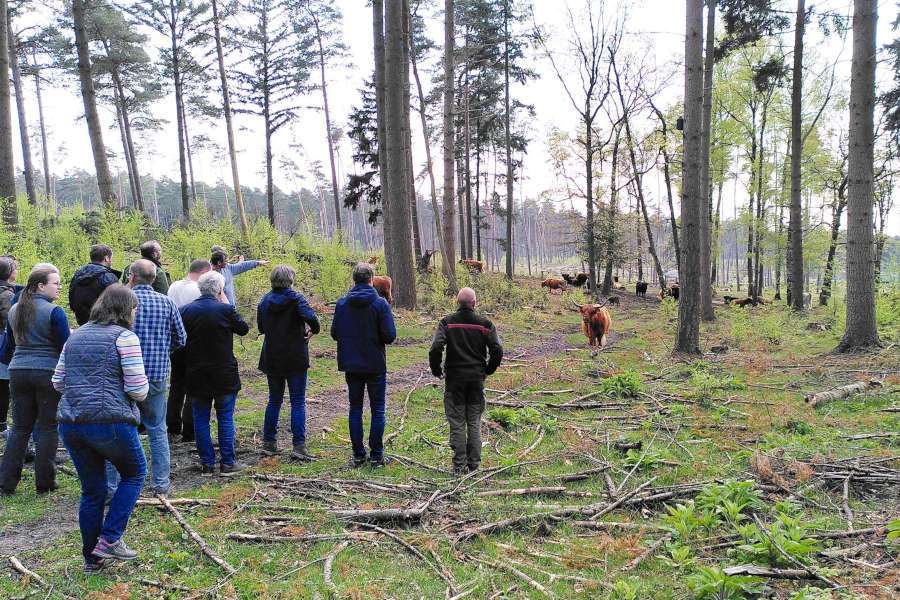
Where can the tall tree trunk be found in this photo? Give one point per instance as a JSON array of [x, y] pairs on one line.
[[611, 226], [328, 140], [88, 96], [468, 166], [229, 127], [751, 225], [407, 138], [861, 327], [759, 221], [133, 173], [507, 141], [179, 113], [588, 121], [30, 189], [477, 223], [667, 177], [449, 268], [7, 166], [45, 153], [379, 54], [707, 312], [394, 67], [270, 185], [796, 213], [449, 168], [717, 219], [121, 126], [639, 189], [827, 278], [688, 338], [189, 153]]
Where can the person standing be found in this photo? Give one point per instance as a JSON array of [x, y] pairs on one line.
[[158, 326], [212, 370], [152, 251], [229, 271], [9, 270], [36, 331], [473, 352], [101, 376], [362, 326], [179, 418], [287, 320], [90, 280]]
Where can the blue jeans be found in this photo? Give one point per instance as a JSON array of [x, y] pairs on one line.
[[357, 385], [153, 418], [90, 445], [202, 408], [297, 389]]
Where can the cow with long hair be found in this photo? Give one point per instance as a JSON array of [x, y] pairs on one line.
[[596, 323]]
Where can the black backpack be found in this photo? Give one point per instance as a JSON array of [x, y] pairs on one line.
[[83, 292]]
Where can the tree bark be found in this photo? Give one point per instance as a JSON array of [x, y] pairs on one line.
[[121, 126], [468, 166], [88, 96], [30, 189], [378, 37], [825, 292], [328, 140], [477, 223], [861, 329], [229, 127], [407, 139], [7, 166], [796, 213], [588, 121], [401, 249], [508, 143], [611, 214], [759, 221], [189, 154], [45, 153], [179, 113], [707, 312], [133, 173], [449, 269], [667, 176], [449, 168], [688, 337]]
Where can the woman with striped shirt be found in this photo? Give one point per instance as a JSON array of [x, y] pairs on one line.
[[101, 377]]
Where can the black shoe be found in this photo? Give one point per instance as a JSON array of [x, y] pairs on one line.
[[358, 461], [460, 471], [473, 468], [302, 454], [379, 462], [232, 469], [45, 491], [207, 470], [270, 448]]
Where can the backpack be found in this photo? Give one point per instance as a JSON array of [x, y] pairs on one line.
[[83, 292]]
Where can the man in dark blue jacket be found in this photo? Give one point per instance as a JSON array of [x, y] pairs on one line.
[[362, 325], [89, 282]]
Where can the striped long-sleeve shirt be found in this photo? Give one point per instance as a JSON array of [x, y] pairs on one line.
[[129, 348]]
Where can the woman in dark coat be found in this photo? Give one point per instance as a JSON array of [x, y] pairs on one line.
[[287, 320]]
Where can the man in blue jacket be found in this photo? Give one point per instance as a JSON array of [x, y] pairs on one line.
[[362, 325], [90, 280]]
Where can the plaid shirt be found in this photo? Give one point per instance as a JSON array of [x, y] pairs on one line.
[[158, 325]]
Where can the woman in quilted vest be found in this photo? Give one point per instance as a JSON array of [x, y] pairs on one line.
[[8, 271], [101, 377]]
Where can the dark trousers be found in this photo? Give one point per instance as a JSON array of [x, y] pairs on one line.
[[179, 415], [90, 445], [4, 403], [357, 386], [34, 404], [463, 405], [297, 390], [224, 406]]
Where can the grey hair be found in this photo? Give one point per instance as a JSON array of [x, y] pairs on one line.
[[363, 273], [144, 271], [211, 283], [282, 277]]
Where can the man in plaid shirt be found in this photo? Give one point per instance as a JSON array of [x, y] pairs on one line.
[[159, 327]]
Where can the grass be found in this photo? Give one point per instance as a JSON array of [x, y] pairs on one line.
[[716, 422]]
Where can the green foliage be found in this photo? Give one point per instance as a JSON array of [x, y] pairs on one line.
[[510, 418], [669, 308], [711, 583], [786, 533], [627, 384], [626, 589], [682, 519], [893, 531], [680, 556]]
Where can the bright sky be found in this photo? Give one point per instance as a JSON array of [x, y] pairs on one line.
[[654, 27]]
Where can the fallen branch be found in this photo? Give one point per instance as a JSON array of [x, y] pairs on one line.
[[26, 572], [845, 391], [275, 539], [329, 565], [790, 557], [618, 525], [390, 437], [847, 512], [385, 514], [643, 555], [532, 491], [204, 547], [176, 502], [505, 566], [535, 444], [758, 571], [415, 552], [164, 586]]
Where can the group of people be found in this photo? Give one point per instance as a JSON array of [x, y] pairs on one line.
[[158, 355]]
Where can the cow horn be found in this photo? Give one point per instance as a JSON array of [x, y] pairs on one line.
[[577, 306]]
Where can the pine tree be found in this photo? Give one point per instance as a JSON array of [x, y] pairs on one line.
[[7, 168]]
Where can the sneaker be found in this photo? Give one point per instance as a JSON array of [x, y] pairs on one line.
[[95, 566], [358, 461], [270, 448], [302, 454], [207, 470], [116, 550], [164, 492], [232, 469], [379, 462]]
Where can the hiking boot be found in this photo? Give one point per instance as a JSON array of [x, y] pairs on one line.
[[473, 468], [302, 454], [460, 471], [94, 567], [270, 448], [115, 551], [232, 469], [379, 462], [207, 470], [358, 461]]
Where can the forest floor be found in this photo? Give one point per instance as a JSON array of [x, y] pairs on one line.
[[603, 476]]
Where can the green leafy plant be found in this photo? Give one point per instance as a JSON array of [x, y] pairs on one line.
[[682, 520], [711, 583], [679, 556], [625, 589], [627, 384], [787, 534], [510, 418], [893, 530]]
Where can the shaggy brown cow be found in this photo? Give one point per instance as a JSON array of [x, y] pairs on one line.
[[640, 288], [581, 279], [474, 266], [729, 299], [555, 285], [382, 285], [595, 323], [745, 302]]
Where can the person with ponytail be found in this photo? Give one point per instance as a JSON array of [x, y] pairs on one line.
[[36, 331]]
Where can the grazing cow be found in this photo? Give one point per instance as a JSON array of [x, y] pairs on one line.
[[373, 260], [382, 285], [675, 290], [568, 278], [613, 301], [555, 285], [640, 289], [763, 301], [474, 266], [745, 302], [580, 279], [729, 299], [595, 323]]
